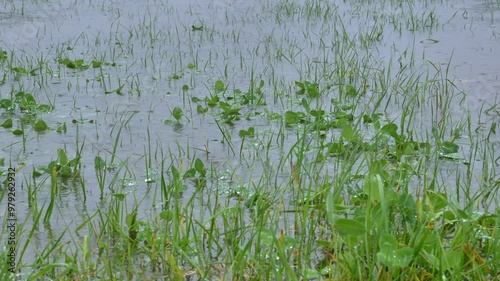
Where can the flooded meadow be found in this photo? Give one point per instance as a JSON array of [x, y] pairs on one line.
[[249, 140]]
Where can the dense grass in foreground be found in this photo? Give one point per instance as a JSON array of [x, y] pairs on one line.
[[356, 166]]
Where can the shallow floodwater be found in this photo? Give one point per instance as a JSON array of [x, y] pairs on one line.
[[150, 50]]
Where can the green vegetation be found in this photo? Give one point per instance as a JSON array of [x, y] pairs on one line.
[[282, 140]]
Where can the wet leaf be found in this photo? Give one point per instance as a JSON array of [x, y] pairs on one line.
[[349, 227], [305, 104], [300, 85], [7, 123], [219, 86], [351, 91], [62, 157], [201, 109], [437, 200], [167, 215], [120, 196], [291, 117], [175, 174], [317, 113], [45, 108], [177, 113], [349, 134], [267, 238], [74, 162], [310, 273], [62, 128], [449, 147], [190, 173], [391, 130], [390, 255], [435, 134], [96, 64], [200, 167], [99, 163], [40, 126], [247, 133], [5, 103]]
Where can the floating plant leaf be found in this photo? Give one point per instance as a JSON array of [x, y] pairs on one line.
[[349, 134], [44, 108], [247, 133], [212, 101], [200, 167], [291, 117], [300, 85], [5, 103], [62, 128], [7, 123], [24, 71], [190, 173], [449, 147], [99, 163], [175, 174], [120, 196], [219, 86], [336, 148], [311, 89], [40, 126], [62, 157], [317, 113], [118, 91], [3, 55], [96, 64], [177, 113], [74, 64], [351, 91], [305, 105], [201, 109], [391, 130]]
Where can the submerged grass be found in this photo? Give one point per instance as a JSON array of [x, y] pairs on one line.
[[339, 162]]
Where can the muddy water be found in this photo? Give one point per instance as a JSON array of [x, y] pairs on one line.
[[151, 44]]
